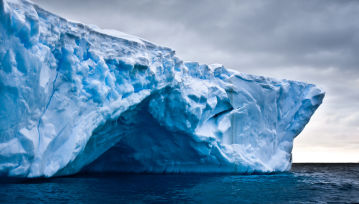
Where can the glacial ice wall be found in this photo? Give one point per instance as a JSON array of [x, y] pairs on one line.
[[75, 99]]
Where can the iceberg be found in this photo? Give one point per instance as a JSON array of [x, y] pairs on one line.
[[75, 98]]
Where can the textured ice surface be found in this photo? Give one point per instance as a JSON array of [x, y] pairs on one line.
[[73, 98]]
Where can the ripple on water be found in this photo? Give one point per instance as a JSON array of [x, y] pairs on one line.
[[318, 183]]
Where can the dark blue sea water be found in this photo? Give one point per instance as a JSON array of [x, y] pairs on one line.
[[309, 183]]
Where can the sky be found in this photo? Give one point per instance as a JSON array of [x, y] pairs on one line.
[[313, 41]]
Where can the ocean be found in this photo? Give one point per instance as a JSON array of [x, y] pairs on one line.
[[305, 183]]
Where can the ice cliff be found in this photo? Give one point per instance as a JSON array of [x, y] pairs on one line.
[[75, 99]]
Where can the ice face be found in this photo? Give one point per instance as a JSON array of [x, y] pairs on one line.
[[73, 98]]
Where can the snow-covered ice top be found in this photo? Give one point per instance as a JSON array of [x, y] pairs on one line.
[[73, 98]]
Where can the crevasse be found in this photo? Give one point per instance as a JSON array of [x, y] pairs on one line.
[[73, 98]]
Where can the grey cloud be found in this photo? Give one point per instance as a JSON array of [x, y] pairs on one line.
[[320, 32]]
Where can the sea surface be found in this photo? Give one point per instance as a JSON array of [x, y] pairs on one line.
[[306, 183]]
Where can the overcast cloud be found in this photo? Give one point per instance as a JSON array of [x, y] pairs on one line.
[[313, 41]]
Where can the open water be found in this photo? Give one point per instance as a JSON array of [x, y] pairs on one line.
[[306, 183]]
